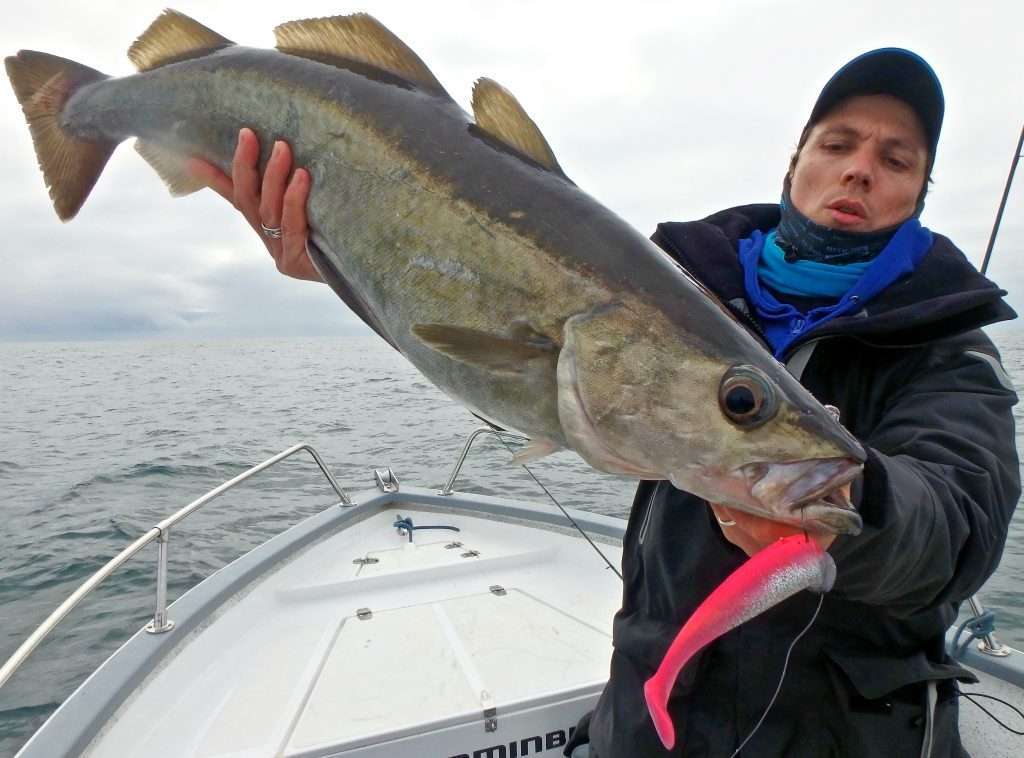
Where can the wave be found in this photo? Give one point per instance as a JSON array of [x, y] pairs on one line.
[[161, 469], [28, 711]]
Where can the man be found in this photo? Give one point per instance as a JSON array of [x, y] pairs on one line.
[[878, 317]]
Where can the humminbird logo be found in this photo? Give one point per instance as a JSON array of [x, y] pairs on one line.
[[534, 745]]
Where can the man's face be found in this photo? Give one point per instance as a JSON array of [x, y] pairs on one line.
[[863, 165]]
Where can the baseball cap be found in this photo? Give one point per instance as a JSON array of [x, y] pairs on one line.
[[888, 71]]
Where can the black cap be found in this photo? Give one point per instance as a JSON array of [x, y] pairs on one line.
[[888, 71]]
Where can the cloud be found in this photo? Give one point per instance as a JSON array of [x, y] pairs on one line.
[[661, 110]]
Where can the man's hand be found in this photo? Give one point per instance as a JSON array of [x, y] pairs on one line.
[[751, 534], [275, 201]]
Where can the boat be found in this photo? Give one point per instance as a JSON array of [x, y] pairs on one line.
[[400, 621]]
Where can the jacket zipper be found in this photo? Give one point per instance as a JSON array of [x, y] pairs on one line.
[[743, 315], [647, 514], [758, 329]]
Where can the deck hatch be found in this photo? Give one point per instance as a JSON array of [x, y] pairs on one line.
[[474, 656]]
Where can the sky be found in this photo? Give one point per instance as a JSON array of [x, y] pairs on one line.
[[660, 110]]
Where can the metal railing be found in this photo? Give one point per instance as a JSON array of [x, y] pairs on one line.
[[161, 534], [989, 645], [500, 434]]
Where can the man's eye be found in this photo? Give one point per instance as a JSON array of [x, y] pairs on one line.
[[834, 147], [897, 164]]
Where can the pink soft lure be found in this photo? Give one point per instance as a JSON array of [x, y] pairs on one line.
[[779, 571]]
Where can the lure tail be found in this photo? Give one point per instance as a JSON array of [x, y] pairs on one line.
[[779, 571]]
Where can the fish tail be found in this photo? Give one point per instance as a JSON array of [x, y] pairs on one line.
[[43, 84]]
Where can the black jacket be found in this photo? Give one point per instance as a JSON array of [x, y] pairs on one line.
[[921, 387]]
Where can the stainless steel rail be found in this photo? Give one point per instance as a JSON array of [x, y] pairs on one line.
[[989, 645], [161, 534], [447, 489]]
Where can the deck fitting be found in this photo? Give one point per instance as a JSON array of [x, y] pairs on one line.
[[490, 711], [385, 479]]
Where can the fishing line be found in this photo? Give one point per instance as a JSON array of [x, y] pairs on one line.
[[782, 677], [564, 512], [789, 651], [971, 695]]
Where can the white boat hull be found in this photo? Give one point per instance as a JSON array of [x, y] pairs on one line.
[[342, 638]]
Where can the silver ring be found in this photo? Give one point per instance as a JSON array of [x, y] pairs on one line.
[[730, 522], [272, 233]]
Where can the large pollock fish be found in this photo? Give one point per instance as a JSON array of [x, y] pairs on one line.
[[462, 243]]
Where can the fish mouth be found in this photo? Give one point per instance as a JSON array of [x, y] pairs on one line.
[[805, 493]]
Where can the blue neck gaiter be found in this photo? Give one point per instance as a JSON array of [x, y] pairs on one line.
[[805, 278], [803, 239], [783, 323]]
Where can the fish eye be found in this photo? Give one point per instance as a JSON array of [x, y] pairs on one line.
[[746, 397]]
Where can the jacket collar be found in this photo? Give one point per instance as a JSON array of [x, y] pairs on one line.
[[945, 295]]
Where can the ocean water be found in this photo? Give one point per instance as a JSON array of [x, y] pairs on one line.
[[100, 440]]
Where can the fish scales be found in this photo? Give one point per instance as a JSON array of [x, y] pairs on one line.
[[393, 204], [506, 285], [387, 211]]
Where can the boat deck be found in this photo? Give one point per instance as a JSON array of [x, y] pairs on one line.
[[340, 637], [365, 637]]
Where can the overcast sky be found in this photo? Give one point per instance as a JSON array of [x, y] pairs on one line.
[[661, 110]]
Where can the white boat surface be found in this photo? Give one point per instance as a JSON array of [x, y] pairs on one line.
[[352, 634]]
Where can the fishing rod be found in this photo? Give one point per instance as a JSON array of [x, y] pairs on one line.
[[1002, 203]]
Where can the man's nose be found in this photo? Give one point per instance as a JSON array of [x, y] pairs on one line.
[[859, 170]]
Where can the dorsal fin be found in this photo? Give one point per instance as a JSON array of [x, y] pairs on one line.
[[173, 37], [499, 114], [358, 38]]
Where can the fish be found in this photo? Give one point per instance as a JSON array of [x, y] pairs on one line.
[[777, 572], [462, 242]]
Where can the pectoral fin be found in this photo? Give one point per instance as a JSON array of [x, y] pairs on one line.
[[500, 354], [536, 450], [171, 166]]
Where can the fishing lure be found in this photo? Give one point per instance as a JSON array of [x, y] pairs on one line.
[[779, 571]]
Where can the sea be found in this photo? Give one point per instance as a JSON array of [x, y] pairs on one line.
[[101, 440]]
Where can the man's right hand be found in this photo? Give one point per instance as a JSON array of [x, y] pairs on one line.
[[275, 200]]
